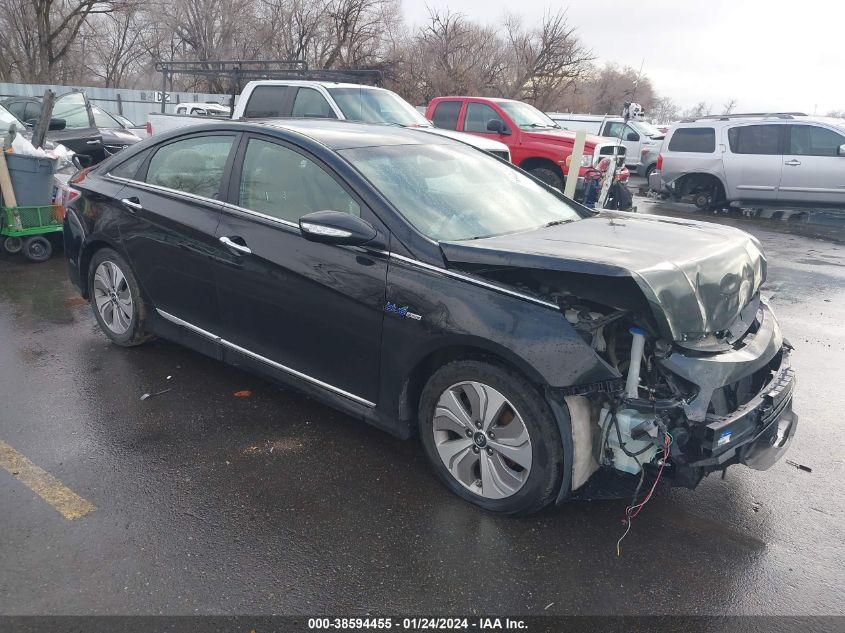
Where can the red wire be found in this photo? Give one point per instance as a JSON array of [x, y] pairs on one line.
[[641, 505]]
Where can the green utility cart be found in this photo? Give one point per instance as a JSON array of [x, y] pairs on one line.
[[27, 230]]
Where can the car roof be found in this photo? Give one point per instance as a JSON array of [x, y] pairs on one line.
[[336, 134]]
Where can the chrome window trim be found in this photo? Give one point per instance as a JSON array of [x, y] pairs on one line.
[[174, 319], [234, 207], [159, 188], [474, 280]]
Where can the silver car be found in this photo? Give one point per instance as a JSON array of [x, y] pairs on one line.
[[784, 159]]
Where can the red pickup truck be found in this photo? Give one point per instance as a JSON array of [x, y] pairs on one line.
[[536, 142]]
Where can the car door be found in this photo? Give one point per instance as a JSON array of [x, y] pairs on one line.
[[813, 167], [753, 161], [476, 118], [173, 208], [80, 133], [300, 308], [311, 104], [631, 139]]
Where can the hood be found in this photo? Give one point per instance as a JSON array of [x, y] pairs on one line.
[[696, 276], [487, 144], [561, 136]]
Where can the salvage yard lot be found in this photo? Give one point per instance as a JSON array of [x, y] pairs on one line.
[[267, 502]]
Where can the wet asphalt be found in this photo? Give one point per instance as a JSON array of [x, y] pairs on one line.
[[208, 503]]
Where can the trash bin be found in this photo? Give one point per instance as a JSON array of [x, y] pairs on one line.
[[32, 179]]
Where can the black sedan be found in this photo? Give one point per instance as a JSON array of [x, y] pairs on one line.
[[424, 286]]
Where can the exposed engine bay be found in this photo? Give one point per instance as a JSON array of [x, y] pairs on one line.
[[703, 379]]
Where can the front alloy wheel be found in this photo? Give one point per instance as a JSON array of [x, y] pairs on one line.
[[492, 437], [482, 440]]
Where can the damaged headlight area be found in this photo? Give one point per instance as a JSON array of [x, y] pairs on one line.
[[682, 407], [687, 411]]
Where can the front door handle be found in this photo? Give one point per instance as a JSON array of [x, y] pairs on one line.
[[94, 142], [133, 204], [793, 163], [241, 248]]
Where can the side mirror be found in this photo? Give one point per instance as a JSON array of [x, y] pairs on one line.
[[57, 124], [336, 227], [496, 126], [841, 151], [632, 136]]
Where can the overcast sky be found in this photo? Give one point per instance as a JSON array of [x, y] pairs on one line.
[[769, 55]]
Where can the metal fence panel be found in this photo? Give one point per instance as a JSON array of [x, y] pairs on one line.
[[135, 105]]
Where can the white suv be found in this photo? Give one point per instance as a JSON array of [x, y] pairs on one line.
[[759, 159]]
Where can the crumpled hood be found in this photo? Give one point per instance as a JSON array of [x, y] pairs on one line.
[[697, 276]]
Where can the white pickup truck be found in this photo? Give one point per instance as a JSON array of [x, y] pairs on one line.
[[324, 99]]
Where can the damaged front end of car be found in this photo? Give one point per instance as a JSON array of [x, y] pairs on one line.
[[704, 376]]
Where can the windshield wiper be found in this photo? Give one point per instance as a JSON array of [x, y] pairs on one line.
[[543, 126], [556, 222]]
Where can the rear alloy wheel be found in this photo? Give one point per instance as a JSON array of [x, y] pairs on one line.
[[36, 249], [548, 176], [116, 299], [491, 437]]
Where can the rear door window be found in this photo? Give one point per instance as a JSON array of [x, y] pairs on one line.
[[446, 114], [310, 103], [478, 114], [268, 101], [693, 139], [812, 140], [757, 139], [193, 165]]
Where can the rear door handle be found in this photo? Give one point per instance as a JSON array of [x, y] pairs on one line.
[[133, 204], [241, 248], [793, 163]]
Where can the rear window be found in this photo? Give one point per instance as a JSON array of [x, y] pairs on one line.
[[446, 114], [693, 139], [757, 139], [266, 101]]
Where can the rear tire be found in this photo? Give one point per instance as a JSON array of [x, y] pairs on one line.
[[37, 248], [548, 176], [508, 459], [116, 298]]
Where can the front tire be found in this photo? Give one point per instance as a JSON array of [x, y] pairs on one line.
[[116, 298], [491, 437], [548, 176]]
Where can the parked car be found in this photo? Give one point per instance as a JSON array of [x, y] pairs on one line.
[[330, 100], [72, 124], [536, 142], [423, 286], [204, 109], [783, 159], [635, 135]]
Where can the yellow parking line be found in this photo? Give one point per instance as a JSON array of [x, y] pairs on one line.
[[69, 504]]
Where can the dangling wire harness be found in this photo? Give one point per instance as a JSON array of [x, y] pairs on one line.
[[635, 508]]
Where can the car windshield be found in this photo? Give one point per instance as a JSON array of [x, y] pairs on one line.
[[526, 116], [646, 128], [6, 119], [104, 120], [377, 106], [452, 192]]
